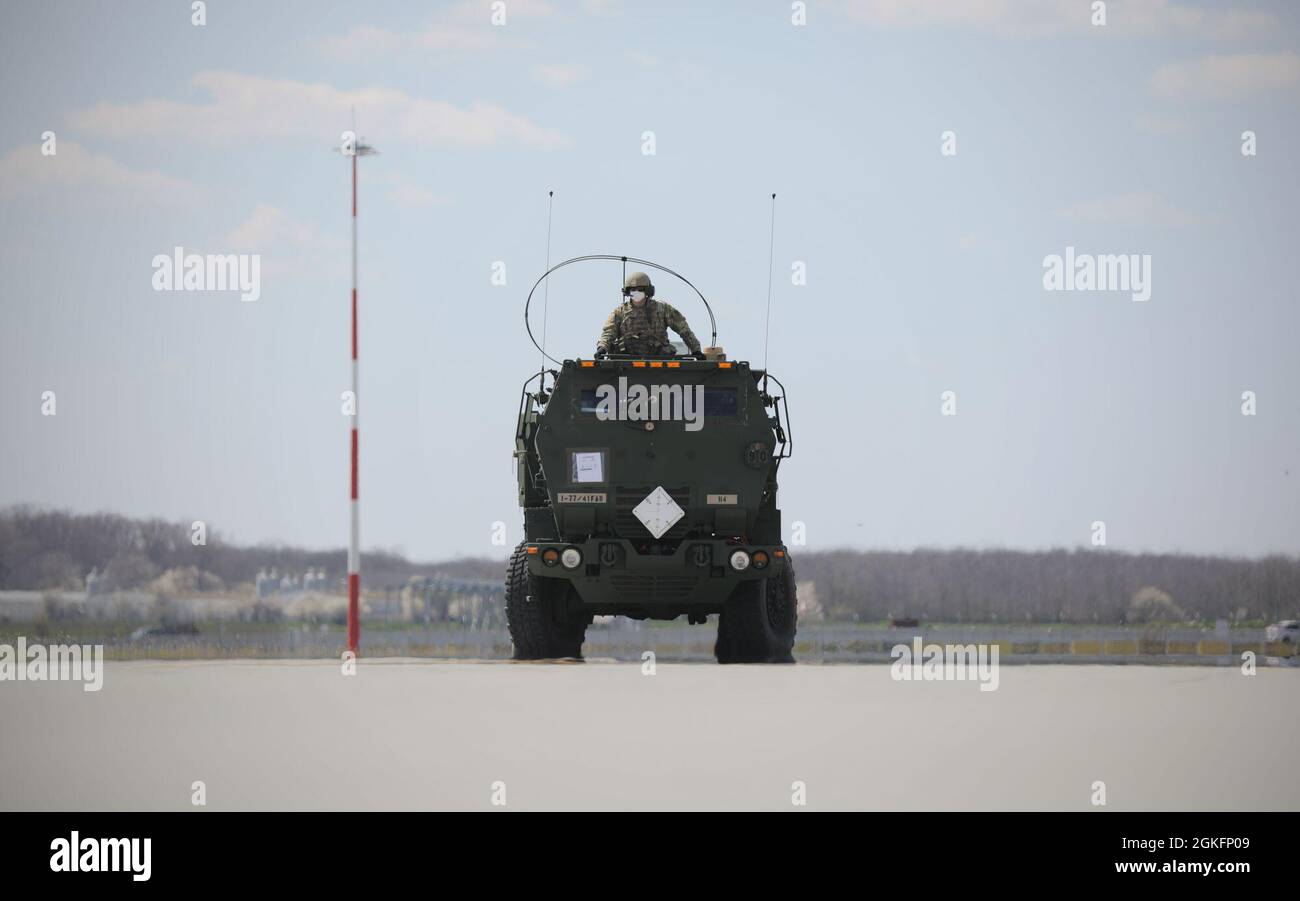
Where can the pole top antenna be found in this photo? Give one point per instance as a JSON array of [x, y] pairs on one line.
[[358, 148], [358, 145]]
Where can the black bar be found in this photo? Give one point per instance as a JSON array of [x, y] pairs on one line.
[[1022, 853]]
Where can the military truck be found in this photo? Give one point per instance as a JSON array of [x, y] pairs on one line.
[[649, 490]]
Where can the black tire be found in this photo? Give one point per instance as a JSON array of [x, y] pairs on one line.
[[759, 621], [541, 625]]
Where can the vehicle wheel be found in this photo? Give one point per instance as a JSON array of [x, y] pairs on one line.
[[541, 626], [759, 620]]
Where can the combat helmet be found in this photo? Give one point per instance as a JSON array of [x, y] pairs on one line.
[[638, 280]]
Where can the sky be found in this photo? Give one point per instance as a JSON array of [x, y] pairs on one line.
[[924, 266]]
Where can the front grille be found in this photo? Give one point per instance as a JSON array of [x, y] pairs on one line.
[[648, 588], [628, 526]]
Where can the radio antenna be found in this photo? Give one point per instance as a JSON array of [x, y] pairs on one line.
[[613, 258], [546, 294], [771, 247]]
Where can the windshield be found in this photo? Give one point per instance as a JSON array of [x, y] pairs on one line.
[[717, 401]]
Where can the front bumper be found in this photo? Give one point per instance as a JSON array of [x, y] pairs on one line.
[[613, 575]]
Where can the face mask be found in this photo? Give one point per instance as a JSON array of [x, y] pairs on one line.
[[637, 296]]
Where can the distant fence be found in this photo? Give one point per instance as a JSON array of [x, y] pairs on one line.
[[1048, 644], [627, 640]]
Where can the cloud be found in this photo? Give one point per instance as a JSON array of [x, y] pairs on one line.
[[407, 193], [440, 40], [270, 225], [287, 246], [1042, 18], [980, 14], [482, 11], [1233, 76], [559, 75], [24, 170], [1162, 125], [248, 106], [472, 30], [1130, 209]]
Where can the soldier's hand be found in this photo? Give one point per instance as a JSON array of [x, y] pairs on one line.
[[601, 353]]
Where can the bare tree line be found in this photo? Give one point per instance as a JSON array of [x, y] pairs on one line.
[[44, 549], [1095, 585]]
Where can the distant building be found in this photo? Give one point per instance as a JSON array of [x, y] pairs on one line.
[[267, 583], [271, 583]]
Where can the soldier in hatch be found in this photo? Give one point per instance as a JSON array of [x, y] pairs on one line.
[[639, 326]]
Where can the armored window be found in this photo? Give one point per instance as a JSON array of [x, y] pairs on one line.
[[717, 401], [588, 401], [720, 402]]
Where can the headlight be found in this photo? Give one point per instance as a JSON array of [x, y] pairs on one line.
[[739, 560], [550, 556], [760, 559], [571, 558]]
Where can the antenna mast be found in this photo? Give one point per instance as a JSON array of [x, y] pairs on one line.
[[353, 147], [771, 247], [546, 296]]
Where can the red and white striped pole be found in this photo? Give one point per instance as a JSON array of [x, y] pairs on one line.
[[354, 148]]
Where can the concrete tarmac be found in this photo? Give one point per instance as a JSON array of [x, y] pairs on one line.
[[425, 735]]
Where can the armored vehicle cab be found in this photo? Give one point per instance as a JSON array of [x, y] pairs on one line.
[[649, 490]]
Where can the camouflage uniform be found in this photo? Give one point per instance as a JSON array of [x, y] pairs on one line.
[[645, 331]]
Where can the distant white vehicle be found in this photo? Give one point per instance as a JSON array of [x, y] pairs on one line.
[[1287, 631]]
